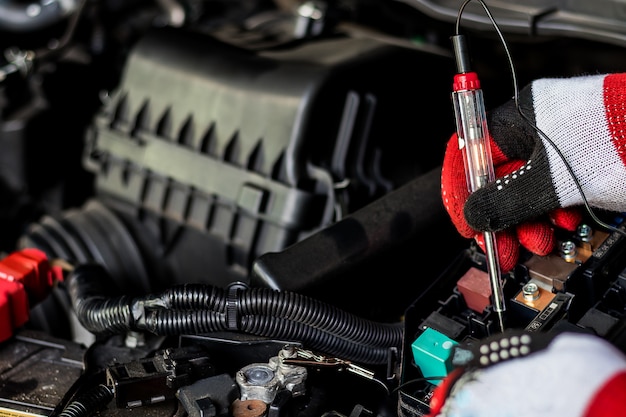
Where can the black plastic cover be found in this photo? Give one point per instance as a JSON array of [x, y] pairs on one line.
[[214, 155], [598, 20]]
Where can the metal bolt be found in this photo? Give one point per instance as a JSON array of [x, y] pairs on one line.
[[311, 19], [584, 232], [568, 251], [311, 9], [134, 339], [33, 10], [18, 60], [288, 352], [530, 291]]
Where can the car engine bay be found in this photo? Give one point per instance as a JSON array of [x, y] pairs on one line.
[[220, 207]]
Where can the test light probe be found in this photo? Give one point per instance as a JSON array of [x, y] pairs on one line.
[[473, 136]]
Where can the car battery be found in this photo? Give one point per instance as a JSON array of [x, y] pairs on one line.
[[36, 371]]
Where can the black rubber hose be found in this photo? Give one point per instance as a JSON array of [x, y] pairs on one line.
[[314, 338], [299, 308], [95, 311], [89, 403], [383, 226], [92, 234]]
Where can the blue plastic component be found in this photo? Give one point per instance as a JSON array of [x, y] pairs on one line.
[[432, 354]]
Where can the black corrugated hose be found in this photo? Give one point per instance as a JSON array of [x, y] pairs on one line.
[[296, 307], [198, 309], [89, 403], [97, 312], [315, 338]]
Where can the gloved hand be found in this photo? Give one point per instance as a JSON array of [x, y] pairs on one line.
[[586, 118], [577, 375]]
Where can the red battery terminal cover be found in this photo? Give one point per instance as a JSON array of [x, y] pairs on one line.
[[466, 81], [26, 278]]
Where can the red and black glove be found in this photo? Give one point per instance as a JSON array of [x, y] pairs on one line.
[[576, 374], [585, 117]]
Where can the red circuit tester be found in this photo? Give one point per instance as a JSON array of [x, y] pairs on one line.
[[473, 136]]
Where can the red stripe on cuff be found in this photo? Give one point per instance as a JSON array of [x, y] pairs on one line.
[[610, 400], [615, 106]]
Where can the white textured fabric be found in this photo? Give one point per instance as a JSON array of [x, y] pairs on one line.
[[559, 381], [572, 114]]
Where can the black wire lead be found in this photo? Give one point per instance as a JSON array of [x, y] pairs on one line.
[[527, 119]]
